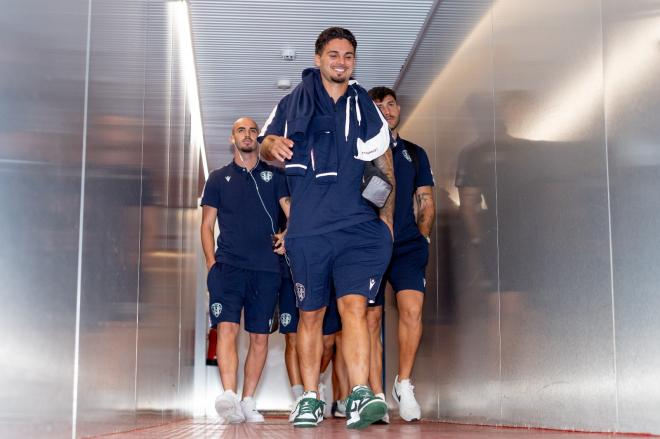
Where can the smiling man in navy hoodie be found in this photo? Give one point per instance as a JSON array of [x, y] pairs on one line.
[[324, 132]]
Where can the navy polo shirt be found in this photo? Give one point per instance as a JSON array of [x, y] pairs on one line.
[[245, 227], [407, 182], [318, 208]]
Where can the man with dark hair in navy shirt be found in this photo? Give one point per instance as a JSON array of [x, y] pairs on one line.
[[406, 272], [324, 131], [245, 198]]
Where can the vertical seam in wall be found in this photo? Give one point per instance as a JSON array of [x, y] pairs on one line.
[[81, 217], [609, 221], [139, 261], [497, 215]]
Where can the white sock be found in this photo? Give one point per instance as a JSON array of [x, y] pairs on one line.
[[230, 392], [311, 394], [380, 395], [248, 398], [297, 391]]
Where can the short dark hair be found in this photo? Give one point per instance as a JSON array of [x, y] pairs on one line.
[[333, 33], [379, 93]]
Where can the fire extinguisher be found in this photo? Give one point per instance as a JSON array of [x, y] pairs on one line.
[[211, 343]]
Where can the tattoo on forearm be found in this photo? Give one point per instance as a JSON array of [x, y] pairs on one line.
[[426, 212], [386, 165]]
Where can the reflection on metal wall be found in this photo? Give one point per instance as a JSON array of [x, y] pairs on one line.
[[536, 153], [136, 174]]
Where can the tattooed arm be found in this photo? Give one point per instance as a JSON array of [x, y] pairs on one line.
[[425, 210], [386, 165]]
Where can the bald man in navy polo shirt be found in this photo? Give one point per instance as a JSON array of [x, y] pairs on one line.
[[245, 197]]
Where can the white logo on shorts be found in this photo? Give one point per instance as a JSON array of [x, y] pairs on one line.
[[285, 319], [424, 280], [300, 291], [372, 282], [406, 155], [216, 309], [228, 177], [270, 324], [266, 176]]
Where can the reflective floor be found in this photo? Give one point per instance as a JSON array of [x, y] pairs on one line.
[[278, 427]]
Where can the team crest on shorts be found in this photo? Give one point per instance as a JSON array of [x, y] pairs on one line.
[[406, 155], [216, 309], [300, 291], [285, 319], [266, 176]]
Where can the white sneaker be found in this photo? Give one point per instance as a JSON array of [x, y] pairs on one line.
[[228, 407], [403, 394], [327, 409], [249, 408], [294, 410]]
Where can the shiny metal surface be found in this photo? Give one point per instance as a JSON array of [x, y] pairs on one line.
[[632, 66], [553, 235], [544, 111], [41, 123], [139, 224]]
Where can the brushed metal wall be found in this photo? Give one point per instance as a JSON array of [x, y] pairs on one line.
[[539, 120], [112, 174]]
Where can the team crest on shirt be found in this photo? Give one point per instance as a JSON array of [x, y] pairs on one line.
[[266, 176], [406, 155], [216, 309], [285, 319], [228, 177], [300, 291]]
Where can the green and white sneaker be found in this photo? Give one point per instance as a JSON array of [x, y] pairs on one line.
[[363, 408], [309, 411]]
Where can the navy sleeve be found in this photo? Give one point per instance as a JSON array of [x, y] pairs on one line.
[[425, 176], [282, 190], [211, 195], [276, 122]]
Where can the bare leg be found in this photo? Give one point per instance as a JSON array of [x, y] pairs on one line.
[[339, 369], [410, 304], [227, 354], [310, 347], [254, 363], [328, 348], [374, 318], [353, 311], [291, 359]]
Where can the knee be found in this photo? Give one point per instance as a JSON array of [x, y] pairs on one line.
[[411, 315], [328, 343], [373, 321], [353, 308], [290, 340], [227, 331], [259, 341], [311, 320]]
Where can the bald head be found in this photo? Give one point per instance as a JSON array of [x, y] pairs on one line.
[[244, 134]]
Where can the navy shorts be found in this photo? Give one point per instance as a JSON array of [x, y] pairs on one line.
[[353, 259], [289, 311], [232, 289], [407, 269]]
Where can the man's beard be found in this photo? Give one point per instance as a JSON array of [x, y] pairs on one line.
[[247, 148]]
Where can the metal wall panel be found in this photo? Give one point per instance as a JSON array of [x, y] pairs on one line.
[[632, 66], [453, 119], [553, 234], [514, 111], [42, 83], [113, 198]]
